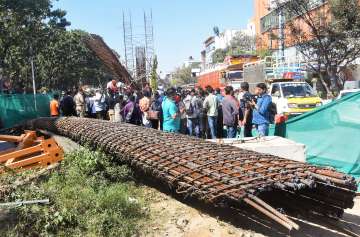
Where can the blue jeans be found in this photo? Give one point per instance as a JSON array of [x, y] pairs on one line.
[[263, 129], [231, 131], [212, 121], [193, 124]]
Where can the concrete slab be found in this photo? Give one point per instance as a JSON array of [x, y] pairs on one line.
[[276, 146]]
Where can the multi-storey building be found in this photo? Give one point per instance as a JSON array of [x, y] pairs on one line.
[[268, 21], [222, 41], [272, 33]]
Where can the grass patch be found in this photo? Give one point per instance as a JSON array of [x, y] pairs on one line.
[[90, 195]]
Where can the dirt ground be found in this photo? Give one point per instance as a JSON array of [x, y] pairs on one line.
[[175, 217], [171, 217]]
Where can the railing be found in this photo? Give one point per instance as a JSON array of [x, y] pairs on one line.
[[275, 67]]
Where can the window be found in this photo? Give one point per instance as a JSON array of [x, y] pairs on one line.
[[299, 90], [271, 20], [235, 75], [275, 90]]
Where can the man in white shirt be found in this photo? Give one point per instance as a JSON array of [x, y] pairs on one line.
[[211, 107]]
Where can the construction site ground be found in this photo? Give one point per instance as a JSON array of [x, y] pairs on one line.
[[174, 216]]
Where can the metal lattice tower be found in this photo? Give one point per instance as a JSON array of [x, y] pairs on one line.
[[149, 42], [140, 64], [128, 43]]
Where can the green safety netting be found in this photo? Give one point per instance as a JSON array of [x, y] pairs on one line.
[[331, 134], [16, 108]]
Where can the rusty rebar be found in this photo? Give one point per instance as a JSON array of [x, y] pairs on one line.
[[215, 173]]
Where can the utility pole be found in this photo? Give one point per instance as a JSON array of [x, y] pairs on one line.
[[33, 75], [281, 33]]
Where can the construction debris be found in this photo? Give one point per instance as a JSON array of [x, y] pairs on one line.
[[109, 58], [215, 173], [29, 151]]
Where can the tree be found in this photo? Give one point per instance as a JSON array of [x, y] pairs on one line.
[[25, 28], [241, 44], [219, 55], [154, 75], [68, 62], [182, 76], [31, 29], [262, 53], [326, 36]]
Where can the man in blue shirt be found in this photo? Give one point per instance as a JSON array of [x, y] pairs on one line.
[[171, 115], [219, 96], [261, 111]]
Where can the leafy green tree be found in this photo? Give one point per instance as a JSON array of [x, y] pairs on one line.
[[219, 55], [262, 53], [32, 29], [327, 37], [25, 29], [241, 44], [68, 62], [182, 76], [154, 75]]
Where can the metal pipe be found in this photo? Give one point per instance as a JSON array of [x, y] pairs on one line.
[[268, 213], [270, 208]]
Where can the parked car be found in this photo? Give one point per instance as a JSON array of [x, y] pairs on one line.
[[294, 97]]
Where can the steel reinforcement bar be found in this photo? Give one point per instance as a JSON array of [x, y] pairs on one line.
[[215, 173]]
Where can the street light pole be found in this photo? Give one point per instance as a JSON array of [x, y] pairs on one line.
[[281, 32], [33, 77], [31, 52]]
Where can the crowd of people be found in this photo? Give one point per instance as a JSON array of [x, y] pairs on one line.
[[208, 113]]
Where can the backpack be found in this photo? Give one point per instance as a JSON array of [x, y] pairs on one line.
[[272, 112], [155, 105], [189, 108]]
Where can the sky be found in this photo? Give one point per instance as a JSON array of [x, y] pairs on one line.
[[180, 26]]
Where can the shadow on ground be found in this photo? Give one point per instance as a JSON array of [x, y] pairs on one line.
[[249, 219]]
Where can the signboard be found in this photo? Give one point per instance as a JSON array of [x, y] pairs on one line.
[[230, 60], [294, 75]]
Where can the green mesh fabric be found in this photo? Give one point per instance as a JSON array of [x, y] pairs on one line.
[[331, 134], [17, 108]]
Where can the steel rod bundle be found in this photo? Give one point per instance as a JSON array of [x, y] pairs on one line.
[[215, 173], [107, 56]]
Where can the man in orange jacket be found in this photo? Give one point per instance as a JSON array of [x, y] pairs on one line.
[[54, 106]]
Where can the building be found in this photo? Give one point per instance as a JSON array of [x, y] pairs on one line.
[[222, 41], [206, 54], [190, 62], [194, 64], [270, 25], [271, 31]]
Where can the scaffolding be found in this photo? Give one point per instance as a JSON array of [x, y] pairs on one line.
[[139, 48], [128, 43], [149, 42]]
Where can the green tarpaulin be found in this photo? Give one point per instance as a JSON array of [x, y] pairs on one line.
[[16, 108], [331, 134]]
